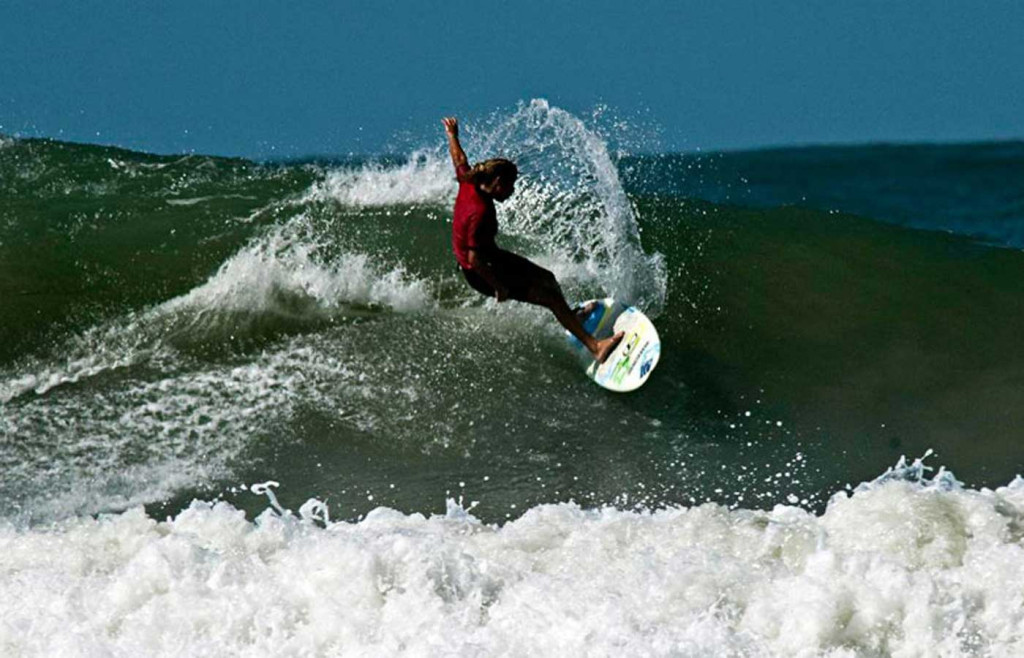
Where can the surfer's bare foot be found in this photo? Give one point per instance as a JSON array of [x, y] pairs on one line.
[[606, 346]]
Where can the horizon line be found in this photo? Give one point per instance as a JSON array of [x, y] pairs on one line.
[[695, 151]]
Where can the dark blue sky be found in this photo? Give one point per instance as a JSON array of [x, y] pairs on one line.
[[294, 78]]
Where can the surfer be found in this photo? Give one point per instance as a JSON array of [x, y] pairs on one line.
[[495, 272]]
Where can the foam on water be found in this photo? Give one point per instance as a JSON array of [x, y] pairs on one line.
[[425, 177], [283, 275], [101, 349], [899, 568], [178, 424]]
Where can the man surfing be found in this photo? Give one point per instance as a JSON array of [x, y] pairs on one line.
[[495, 272]]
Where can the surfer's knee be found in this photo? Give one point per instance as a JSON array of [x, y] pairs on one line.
[[544, 295], [547, 286], [543, 288], [547, 281]]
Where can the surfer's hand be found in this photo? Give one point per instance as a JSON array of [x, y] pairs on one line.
[[451, 126], [501, 293]]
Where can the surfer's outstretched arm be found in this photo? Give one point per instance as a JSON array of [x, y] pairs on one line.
[[451, 128]]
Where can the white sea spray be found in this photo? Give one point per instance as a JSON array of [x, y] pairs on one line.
[[900, 568], [426, 176]]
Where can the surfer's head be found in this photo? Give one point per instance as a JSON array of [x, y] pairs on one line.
[[495, 177]]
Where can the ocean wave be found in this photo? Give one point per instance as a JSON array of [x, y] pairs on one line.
[[134, 410], [903, 566], [276, 276]]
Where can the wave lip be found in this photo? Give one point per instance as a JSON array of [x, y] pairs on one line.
[[264, 276], [896, 566], [425, 177]]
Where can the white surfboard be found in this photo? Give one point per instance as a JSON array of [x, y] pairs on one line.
[[631, 363]]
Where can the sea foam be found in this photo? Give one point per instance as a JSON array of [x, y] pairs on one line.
[[898, 568], [281, 274], [426, 176]]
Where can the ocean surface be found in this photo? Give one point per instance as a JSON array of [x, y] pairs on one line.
[[252, 408]]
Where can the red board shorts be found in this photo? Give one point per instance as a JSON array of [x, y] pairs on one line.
[[517, 273]]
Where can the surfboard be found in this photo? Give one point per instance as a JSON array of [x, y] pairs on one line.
[[634, 358]]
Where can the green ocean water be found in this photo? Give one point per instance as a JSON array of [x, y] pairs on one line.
[[175, 327]]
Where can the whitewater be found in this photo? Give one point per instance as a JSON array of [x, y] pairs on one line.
[[904, 566]]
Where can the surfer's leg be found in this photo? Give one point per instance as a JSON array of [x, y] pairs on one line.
[[548, 293], [540, 287], [476, 282]]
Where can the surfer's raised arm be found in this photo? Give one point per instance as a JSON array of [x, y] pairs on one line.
[[451, 128]]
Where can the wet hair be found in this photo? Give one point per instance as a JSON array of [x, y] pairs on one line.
[[488, 170]]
